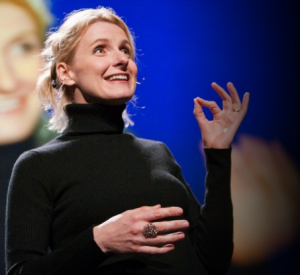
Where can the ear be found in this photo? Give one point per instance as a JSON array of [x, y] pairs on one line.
[[64, 74]]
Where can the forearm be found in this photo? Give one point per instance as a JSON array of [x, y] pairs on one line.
[[213, 235], [81, 256], [29, 225]]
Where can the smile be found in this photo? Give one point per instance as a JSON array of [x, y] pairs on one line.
[[118, 77], [9, 105]]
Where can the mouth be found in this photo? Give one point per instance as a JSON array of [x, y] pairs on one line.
[[10, 106], [118, 77]]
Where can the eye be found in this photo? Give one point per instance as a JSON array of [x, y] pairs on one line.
[[23, 48], [99, 50], [126, 51]]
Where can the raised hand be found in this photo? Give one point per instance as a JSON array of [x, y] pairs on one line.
[[219, 132], [123, 233]]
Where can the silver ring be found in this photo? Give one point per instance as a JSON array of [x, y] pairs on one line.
[[150, 231], [236, 110]]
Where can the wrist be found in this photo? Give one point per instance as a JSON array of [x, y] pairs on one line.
[[98, 239]]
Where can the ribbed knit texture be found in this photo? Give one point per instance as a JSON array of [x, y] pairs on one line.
[[94, 171], [9, 153]]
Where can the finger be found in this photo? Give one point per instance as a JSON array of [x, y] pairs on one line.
[[153, 249], [211, 105], [236, 103], [163, 239], [245, 102], [150, 207], [221, 92], [168, 226], [199, 114], [143, 208], [198, 111], [160, 213]]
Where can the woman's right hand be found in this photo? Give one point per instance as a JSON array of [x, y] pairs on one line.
[[123, 233]]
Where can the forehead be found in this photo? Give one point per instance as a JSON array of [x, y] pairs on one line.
[[103, 30], [13, 15], [14, 21]]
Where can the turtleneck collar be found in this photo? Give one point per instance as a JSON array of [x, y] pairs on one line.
[[94, 118]]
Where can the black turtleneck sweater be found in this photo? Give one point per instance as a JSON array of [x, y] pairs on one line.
[[9, 153], [93, 171]]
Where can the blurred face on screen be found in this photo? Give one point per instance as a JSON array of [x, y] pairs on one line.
[[19, 69]]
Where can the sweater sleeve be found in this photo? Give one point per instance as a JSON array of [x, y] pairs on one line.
[[211, 225], [29, 215]]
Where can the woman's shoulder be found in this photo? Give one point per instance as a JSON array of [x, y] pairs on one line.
[[153, 147], [38, 153], [149, 143]]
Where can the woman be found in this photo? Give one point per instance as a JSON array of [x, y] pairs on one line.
[[23, 25], [104, 201], [22, 124]]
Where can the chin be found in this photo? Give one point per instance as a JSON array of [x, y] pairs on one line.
[[120, 99]]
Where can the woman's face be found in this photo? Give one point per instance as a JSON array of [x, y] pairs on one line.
[[19, 69], [102, 69]]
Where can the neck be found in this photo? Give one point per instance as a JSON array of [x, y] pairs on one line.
[[94, 118]]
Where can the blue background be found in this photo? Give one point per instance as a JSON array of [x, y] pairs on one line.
[[184, 45]]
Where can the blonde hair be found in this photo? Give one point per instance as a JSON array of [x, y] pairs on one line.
[[38, 10], [60, 47]]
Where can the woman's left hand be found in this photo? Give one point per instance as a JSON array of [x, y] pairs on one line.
[[219, 132]]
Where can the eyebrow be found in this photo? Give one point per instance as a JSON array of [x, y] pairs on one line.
[[24, 35], [123, 42]]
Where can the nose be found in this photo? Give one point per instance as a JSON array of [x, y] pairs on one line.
[[121, 60], [7, 80]]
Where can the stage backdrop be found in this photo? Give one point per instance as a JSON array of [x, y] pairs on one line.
[[183, 46]]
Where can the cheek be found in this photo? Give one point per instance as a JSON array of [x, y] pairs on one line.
[[133, 68], [27, 69], [88, 72]]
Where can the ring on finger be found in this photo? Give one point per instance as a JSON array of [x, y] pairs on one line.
[[150, 231]]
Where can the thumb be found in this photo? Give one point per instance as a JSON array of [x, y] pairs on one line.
[[198, 111]]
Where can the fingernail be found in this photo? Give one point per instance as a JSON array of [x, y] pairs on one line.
[[179, 211], [185, 223]]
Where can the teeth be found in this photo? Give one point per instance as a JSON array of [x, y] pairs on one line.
[[123, 77], [8, 105]]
